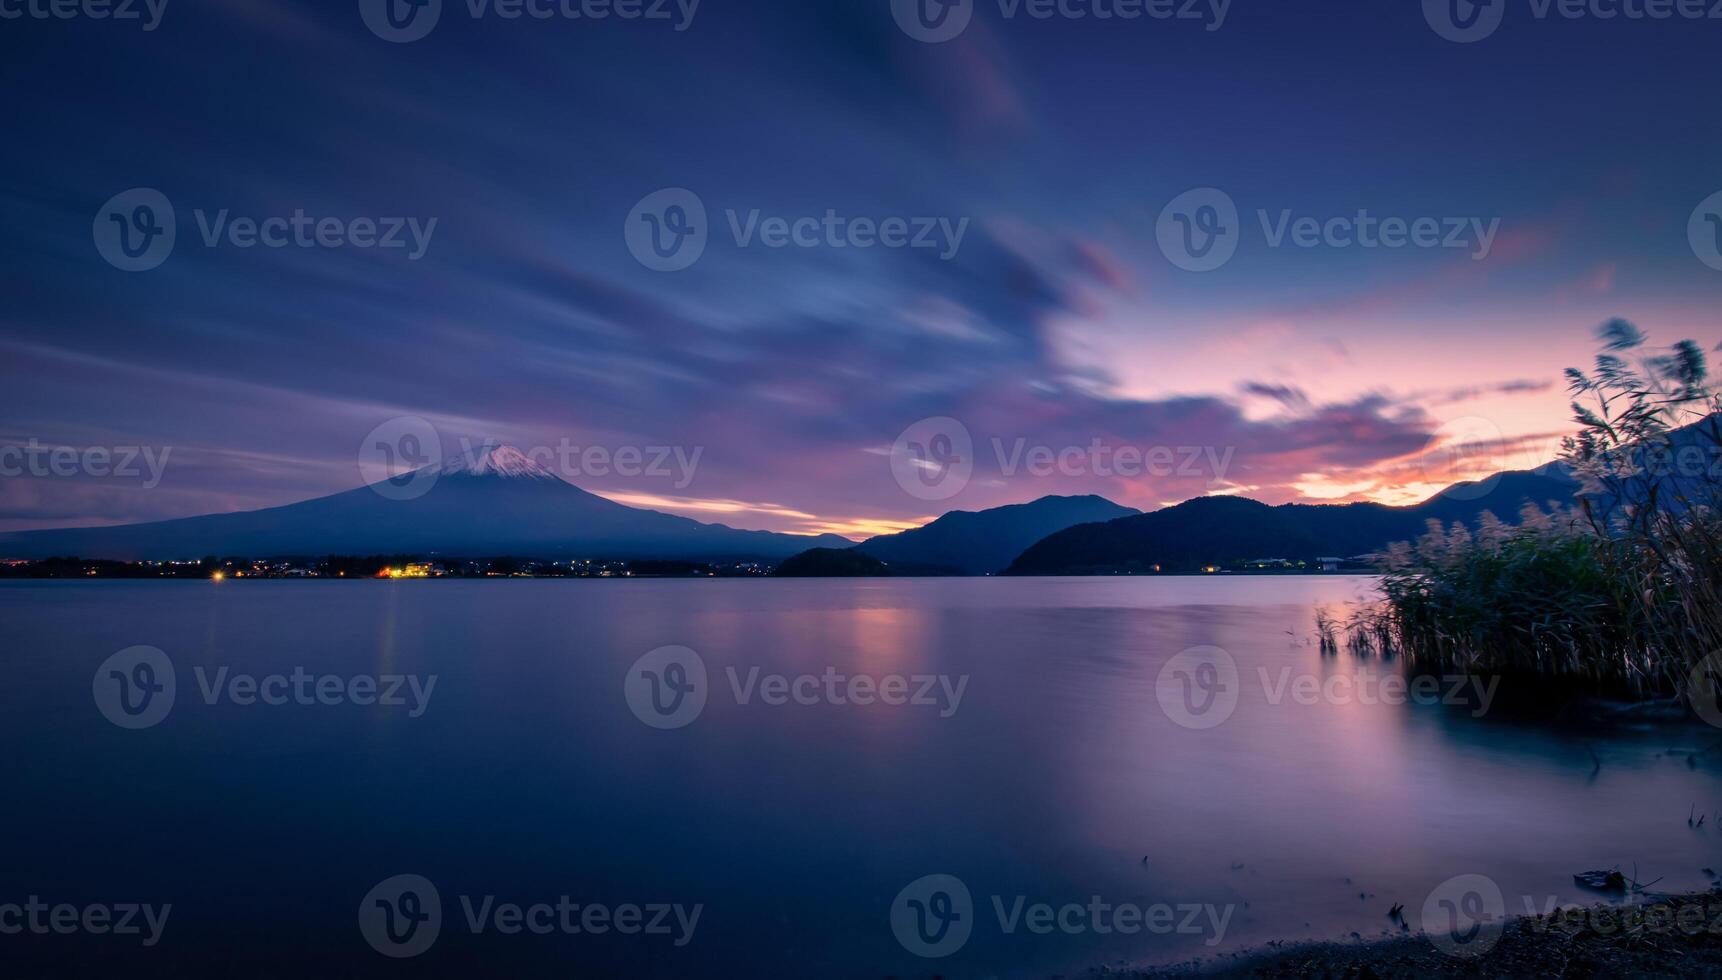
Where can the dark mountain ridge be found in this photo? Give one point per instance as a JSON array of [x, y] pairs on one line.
[[834, 563], [1220, 530], [965, 542], [496, 502]]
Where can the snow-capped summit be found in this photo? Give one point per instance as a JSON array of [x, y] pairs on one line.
[[492, 500], [498, 460]]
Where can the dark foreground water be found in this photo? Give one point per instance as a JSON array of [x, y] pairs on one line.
[[1067, 729]]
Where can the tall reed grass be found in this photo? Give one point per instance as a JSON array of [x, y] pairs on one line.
[[1618, 594]]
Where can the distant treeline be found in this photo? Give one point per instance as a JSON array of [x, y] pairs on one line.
[[376, 566]]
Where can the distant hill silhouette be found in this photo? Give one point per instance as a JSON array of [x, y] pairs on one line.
[[493, 502], [965, 542], [831, 563], [1685, 470], [1217, 530]]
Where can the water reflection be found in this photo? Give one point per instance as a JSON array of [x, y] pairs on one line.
[[1058, 778]]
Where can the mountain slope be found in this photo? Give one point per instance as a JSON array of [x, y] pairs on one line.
[[1675, 474], [496, 502], [831, 563], [1210, 530], [977, 542]]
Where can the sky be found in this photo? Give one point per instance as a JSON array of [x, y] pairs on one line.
[[604, 284]]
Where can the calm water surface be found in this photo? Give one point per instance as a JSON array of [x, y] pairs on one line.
[[528, 775]]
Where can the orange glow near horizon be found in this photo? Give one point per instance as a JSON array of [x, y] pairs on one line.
[[1462, 448], [803, 523], [864, 527]]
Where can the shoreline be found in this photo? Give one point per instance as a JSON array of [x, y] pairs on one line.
[[714, 570], [1659, 935]]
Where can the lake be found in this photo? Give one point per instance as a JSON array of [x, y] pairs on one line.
[[1109, 770]]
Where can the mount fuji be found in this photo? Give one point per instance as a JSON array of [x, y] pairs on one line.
[[494, 501]]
